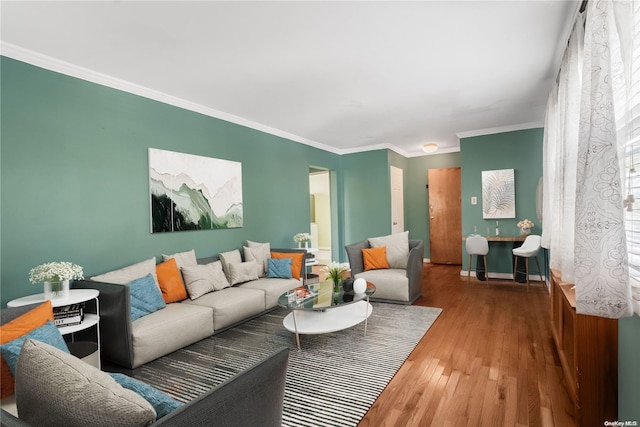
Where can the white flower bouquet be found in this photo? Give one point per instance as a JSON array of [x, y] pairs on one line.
[[525, 224], [55, 272], [335, 271], [302, 237]]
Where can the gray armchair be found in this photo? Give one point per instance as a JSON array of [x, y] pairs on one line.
[[392, 285]]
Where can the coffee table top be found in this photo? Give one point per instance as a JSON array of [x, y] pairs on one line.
[[322, 297]]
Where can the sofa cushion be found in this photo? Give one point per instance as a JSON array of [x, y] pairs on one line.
[[397, 248], [230, 257], [231, 305], [391, 284], [18, 327], [183, 259], [272, 288], [150, 337], [297, 259], [279, 268], [375, 258], [240, 272], [47, 333], [162, 403], [145, 297], [170, 281], [127, 274], [55, 388], [260, 253]]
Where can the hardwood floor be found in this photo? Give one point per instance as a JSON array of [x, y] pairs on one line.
[[489, 360]]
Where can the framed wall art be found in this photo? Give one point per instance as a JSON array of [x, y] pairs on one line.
[[498, 194], [189, 192]]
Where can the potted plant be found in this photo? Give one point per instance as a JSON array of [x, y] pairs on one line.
[[55, 276], [335, 271], [302, 238]]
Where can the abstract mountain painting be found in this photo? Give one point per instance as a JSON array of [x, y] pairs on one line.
[[190, 192], [498, 194]]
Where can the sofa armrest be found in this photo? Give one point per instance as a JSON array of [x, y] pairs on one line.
[[115, 321], [9, 420], [252, 398], [354, 253], [414, 268]]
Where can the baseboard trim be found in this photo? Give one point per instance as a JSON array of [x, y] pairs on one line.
[[504, 276]]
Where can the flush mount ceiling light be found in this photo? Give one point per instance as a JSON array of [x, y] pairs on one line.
[[430, 148]]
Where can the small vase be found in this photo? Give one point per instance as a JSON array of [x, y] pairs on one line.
[[525, 231], [336, 285], [56, 289], [306, 244]]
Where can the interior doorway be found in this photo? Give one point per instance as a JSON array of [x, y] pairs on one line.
[[320, 203]]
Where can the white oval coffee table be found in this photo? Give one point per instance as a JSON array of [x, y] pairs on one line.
[[325, 312]]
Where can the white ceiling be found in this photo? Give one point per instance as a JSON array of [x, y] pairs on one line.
[[343, 76]]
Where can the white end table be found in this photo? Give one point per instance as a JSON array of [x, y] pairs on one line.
[[76, 296]]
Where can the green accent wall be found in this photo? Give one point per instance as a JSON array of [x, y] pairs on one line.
[[629, 369], [417, 194], [519, 150], [74, 171], [367, 195]]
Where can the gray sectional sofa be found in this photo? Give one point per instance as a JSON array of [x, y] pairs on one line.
[[131, 344]]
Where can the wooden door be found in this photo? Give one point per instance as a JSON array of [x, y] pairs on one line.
[[445, 216]]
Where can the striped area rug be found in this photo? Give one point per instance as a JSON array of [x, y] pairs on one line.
[[333, 381]]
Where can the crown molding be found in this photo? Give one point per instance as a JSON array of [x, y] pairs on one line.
[[52, 64], [491, 131]]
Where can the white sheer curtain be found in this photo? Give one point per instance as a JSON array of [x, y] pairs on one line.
[[561, 154], [584, 220]]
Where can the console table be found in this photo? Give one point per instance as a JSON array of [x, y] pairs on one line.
[[517, 241], [91, 319]]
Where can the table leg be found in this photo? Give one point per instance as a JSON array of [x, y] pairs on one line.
[[366, 317], [295, 326]]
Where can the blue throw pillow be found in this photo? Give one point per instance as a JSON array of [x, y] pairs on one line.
[[145, 297], [161, 402], [47, 333], [279, 267]]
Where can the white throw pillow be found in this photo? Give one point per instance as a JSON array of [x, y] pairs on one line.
[[202, 279], [183, 259], [227, 258], [397, 248], [128, 274], [243, 272], [56, 388], [260, 253]]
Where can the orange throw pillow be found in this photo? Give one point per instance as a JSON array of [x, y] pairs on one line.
[[375, 258], [170, 281], [16, 328], [296, 261]]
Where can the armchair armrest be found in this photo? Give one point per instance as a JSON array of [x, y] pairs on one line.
[[115, 321], [354, 253], [414, 268]]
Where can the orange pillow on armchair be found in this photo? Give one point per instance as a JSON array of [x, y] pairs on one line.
[[375, 258]]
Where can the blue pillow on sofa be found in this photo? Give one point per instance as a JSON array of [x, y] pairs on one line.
[[161, 402], [145, 297], [279, 267], [47, 333]]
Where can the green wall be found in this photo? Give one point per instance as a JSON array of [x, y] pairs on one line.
[[74, 172], [519, 150], [367, 195], [417, 195], [629, 368]]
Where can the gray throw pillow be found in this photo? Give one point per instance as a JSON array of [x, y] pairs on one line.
[[56, 388], [397, 248], [243, 272]]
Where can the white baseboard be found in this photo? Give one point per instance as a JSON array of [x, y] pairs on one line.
[[504, 276]]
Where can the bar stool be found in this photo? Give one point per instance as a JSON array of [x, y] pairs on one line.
[[477, 245], [529, 249]]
